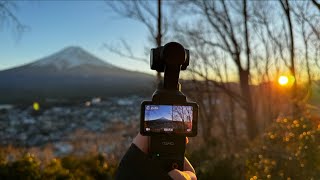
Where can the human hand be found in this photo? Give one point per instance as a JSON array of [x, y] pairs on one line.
[[188, 174]]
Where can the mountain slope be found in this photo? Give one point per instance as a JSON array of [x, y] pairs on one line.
[[70, 57], [161, 119], [70, 73]]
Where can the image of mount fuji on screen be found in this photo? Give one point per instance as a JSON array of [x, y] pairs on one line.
[[168, 118]]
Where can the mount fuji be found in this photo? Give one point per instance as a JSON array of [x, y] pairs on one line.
[[70, 57], [70, 73]]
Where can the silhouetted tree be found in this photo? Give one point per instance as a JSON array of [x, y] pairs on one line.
[[287, 11], [182, 113], [145, 13], [231, 36], [316, 4], [252, 39], [9, 18]]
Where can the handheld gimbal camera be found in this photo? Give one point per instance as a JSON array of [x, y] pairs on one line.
[[169, 118]]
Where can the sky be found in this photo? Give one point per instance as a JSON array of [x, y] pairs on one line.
[[153, 112], [54, 25], [161, 111]]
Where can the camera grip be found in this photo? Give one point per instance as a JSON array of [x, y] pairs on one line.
[[168, 150]]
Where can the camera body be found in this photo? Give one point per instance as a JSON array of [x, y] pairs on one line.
[[168, 125], [168, 119]]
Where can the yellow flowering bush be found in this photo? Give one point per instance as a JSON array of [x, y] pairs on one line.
[[289, 150], [27, 167]]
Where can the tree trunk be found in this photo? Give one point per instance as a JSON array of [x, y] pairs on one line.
[[286, 8], [246, 93], [159, 36], [232, 118]]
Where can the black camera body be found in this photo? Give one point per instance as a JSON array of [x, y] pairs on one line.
[[169, 118]]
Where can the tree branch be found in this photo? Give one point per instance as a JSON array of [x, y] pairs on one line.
[[316, 4], [128, 54]]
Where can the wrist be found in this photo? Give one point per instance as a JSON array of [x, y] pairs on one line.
[[142, 142]]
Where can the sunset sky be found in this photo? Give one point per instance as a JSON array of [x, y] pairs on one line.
[[53, 25]]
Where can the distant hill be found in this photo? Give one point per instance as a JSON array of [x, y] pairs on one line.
[[71, 73]]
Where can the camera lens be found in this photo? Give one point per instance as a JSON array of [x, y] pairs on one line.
[[174, 53]]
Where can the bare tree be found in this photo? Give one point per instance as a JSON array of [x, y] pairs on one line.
[[302, 19], [203, 89], [9, 18], [230, 35], [316, 4], [287, 11], [145, 13], [254, 40], [183, 114]]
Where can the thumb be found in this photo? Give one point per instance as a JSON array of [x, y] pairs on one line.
[[182, 175]]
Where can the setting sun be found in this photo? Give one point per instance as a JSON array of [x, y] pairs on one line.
[[283, 80]]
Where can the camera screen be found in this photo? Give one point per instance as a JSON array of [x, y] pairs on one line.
[[168, 118]]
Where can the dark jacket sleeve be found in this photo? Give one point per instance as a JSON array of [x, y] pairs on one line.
[[135, 164]]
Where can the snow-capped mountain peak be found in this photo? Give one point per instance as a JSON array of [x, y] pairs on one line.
[[71, 57]]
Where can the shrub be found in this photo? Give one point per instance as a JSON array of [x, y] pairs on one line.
[[27, 167], [54, 170], [210, 164], [89, 167], [289, 150], [70, 167]]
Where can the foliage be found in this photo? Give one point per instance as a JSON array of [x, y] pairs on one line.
[[70, 167], [27, 167], [289, 150], [210, 166], [95, 167], [54, 170], [226, 168]]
